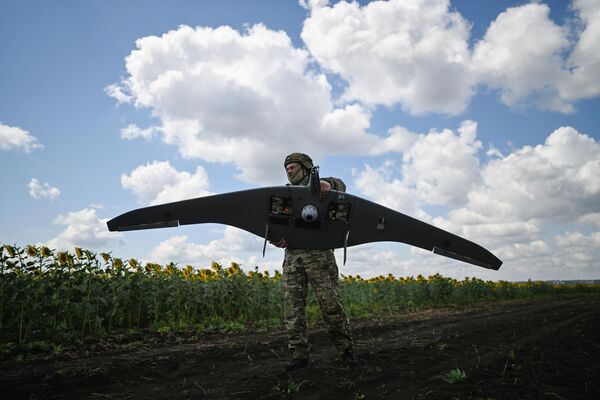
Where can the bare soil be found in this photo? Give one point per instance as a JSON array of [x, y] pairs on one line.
[[542, 349]]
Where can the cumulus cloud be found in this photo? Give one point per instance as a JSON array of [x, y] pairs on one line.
[[132, 131], [416, 53], [84, 229], [520, 55], [158, 182], [116, 92], [15, 138], [591, 219], [566, 256], [370, 260], [443, 166], [250, 97], [584, 60], [39, 191], [310, 4], [413, 53], [509, 203], [437, 168], [509, 199], [244, 98], [557, 181], [380, 185], [223, 250], [577, 239], [531, 192]]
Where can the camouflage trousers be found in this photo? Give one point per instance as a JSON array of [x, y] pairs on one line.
[[317, 267]]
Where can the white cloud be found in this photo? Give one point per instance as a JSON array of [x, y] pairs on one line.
[[512, 201], [402, 260], [572, 255], [527, 250], [116, 92], [248, 98], [414, 53], [443, 166], [493, 152], [528, 194], [569, 256], [584, 60], [577, 239], [379, 185], [370, 260], [557, 181], [84, 229], [38, 191], [520, 55], [223, 250], [437, 168], [399, 139], [159, 182], [132, 131], [15, 138], [310, 4], [242, 98], [591, 219]]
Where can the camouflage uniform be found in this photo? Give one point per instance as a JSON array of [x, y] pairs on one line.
[[319, 268]]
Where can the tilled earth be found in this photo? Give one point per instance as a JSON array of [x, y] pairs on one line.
[[543, 349]]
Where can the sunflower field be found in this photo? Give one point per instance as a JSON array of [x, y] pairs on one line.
[[64, 297]]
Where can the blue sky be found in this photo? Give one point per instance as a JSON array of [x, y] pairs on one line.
[[478, 117]]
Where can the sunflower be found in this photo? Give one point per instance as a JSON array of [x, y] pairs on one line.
[[63, 258], [10, 250], [46, 252], [32, 251], [117, 263]]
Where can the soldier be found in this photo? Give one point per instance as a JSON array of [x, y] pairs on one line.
[[317, 267]]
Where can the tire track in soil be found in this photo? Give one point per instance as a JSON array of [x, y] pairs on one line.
[[508, 350]]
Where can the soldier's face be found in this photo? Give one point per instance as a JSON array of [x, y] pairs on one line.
[[291, 167]]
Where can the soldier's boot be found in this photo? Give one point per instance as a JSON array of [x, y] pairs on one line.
[[349, 359], [297, 363]]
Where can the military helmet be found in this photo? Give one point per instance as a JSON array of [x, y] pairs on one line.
[[300, 158]]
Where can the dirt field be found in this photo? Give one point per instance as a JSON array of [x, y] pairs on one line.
[[519, 350]]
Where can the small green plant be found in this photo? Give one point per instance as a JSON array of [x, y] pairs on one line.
[[57, 349], [456, 375], [293, 387], [164, 330]]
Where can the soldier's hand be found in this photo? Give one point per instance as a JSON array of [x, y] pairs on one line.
[[325, 188], [281, 244]]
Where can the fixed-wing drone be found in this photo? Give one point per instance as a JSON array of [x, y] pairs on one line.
[[307, 220]]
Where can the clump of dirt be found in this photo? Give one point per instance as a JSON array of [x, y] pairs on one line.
[[546, 349]]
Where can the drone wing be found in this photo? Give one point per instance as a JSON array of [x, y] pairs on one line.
[[275, 213], [371, 222], [245, 209]]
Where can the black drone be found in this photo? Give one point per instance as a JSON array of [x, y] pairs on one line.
[[307, 220]]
